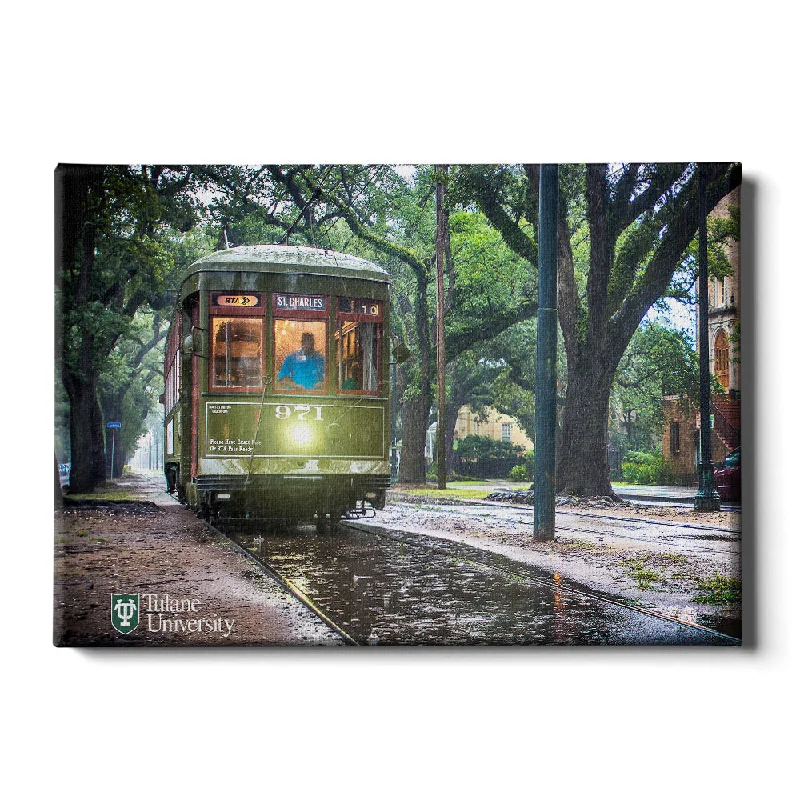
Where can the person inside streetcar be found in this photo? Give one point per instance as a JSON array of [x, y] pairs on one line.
[[305, 367]]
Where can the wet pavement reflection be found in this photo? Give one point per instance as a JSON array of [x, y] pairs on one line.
[[411, 590]]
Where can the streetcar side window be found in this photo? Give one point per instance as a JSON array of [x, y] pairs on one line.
[[358, 345], [172, 362], [236, 352]]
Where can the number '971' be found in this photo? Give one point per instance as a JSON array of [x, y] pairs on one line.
[[301, 412]]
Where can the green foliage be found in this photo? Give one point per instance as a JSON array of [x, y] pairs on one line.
[[473, 447], [529, 464], [736, 342], [488, 274], [719, 590], [518, 473], [658, 361], [723, 233], [123, 229], [482, 456], [642, 574], [131, 381], [61, 429], [433, 473], [645, 469], [524, 471]]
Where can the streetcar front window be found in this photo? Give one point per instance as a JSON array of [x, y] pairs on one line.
[[300, 355], [236, 352]]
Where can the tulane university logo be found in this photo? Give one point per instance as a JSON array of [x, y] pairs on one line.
[[125, 612]]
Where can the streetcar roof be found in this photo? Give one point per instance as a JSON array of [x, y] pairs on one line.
[[289, 258]]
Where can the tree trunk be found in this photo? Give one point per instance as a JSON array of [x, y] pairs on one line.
[[582, 455], [415, 427], [416, 410], [59, 495], [86, 436], [451, 417]]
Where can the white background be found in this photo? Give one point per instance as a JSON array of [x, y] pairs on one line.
[[413, 82]]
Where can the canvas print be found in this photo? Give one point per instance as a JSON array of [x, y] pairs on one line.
[[385, 405]]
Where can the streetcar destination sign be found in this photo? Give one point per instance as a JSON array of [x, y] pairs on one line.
[[301, 302]]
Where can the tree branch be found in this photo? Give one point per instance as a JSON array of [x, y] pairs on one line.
[[486, 329], [490, 205], [679, 227]]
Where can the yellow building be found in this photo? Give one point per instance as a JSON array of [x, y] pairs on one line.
[[492, 424]]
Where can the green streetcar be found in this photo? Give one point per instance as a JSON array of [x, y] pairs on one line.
[[277, 385]]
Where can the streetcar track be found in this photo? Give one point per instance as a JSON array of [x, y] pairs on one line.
[[628, 520], [644, 540], [730, 537], [290, 586]]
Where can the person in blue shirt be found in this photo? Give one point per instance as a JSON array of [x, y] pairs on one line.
[[305, 366]]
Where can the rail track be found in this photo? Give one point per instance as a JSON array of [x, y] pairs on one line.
[[628, 523]]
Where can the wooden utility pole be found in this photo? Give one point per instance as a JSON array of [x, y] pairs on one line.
[[441, 360]]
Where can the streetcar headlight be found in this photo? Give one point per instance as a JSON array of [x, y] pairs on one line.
[[301, 434]]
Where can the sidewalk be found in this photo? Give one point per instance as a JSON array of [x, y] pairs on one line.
[[194, 587]]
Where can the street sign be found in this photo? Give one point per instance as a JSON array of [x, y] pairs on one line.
[[113, 425]]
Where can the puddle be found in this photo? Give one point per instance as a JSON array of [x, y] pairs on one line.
[[412, 590]]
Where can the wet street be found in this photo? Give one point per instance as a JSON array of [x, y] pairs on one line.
[[406, 589], [716, 544]]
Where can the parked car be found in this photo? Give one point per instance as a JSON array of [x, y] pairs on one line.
[[728, 476]]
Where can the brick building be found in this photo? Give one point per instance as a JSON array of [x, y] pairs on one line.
[[680, 443]]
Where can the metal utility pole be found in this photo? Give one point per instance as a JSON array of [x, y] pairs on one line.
[[544, 469], [441, 360], [707, 498]]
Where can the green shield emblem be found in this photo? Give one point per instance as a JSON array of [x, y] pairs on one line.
[[125, 612]]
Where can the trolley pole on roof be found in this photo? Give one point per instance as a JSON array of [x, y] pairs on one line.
[[706, 498], [544, 465]]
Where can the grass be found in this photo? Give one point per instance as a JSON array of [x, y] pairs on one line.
[[674, 558], [443, 494], [643, 576], [108, 492], [718, 590], [577, 544]]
